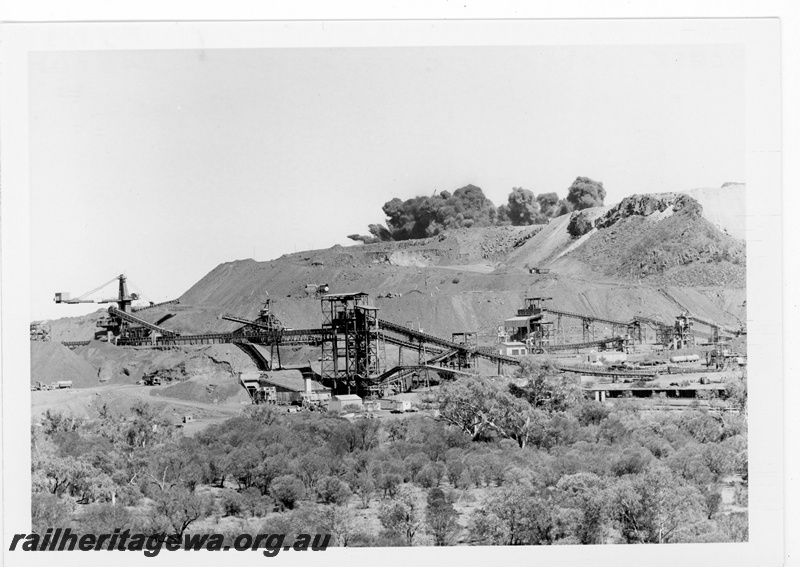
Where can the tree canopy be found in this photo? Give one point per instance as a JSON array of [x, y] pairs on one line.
[[548, 465]]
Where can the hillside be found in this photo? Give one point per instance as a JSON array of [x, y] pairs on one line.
[[650, 255], [666, 239]]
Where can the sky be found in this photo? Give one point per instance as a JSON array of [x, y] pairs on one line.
[[164, 164]]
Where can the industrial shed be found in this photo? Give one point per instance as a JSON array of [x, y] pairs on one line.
[[338, 403], [601, 392], [513, 348]]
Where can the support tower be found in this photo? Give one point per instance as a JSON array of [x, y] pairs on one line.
[[350, 350]]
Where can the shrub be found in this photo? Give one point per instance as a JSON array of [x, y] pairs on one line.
[[464, 480], [455, 468], [255, 503], [415, 463], [49, 511], [632, 461], [713, 501], [402, 516], [231, 502], [740, 496], [331, 490], [579, 224], [592, 412], [287, 490], [441, 518], [389, 483], [105, 517], [431, 475]]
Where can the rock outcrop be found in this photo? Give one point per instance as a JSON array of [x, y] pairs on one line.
[[646, 205]]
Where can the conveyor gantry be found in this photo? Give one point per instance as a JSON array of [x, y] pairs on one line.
[[588, 344], [151, 306], [431, 339], [130, 318], [587, 317], [405, 344], [713, 324], [269, 333]]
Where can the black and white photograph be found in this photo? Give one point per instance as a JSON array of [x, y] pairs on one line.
[[507, 287]]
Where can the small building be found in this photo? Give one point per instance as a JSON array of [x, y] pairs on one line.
[[187, 419], [593, 357], [372, 405], [338, 403], [395, 405], [512, 348]]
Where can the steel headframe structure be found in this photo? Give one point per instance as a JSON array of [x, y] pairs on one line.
[[350, 349], [461, 360], [682, 336], [530, 326]]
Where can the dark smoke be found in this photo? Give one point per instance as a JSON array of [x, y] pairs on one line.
[[422, 217], [585, 193]]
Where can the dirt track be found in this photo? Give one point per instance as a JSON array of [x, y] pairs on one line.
[[85, 402]]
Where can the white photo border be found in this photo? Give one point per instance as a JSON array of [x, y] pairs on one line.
[[761, 38]]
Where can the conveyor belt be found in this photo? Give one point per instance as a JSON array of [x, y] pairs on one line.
[[587, 317], [486, 352], [426, 338], [73, 344], [285, 336], [247, 322], [443, 356], [652, 322], [599, 342], [142, 308], [296, 336], [713, 324], [255, 355], [597, 371], [406, 344], [419, 335], [397, 372], [139, 321]]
